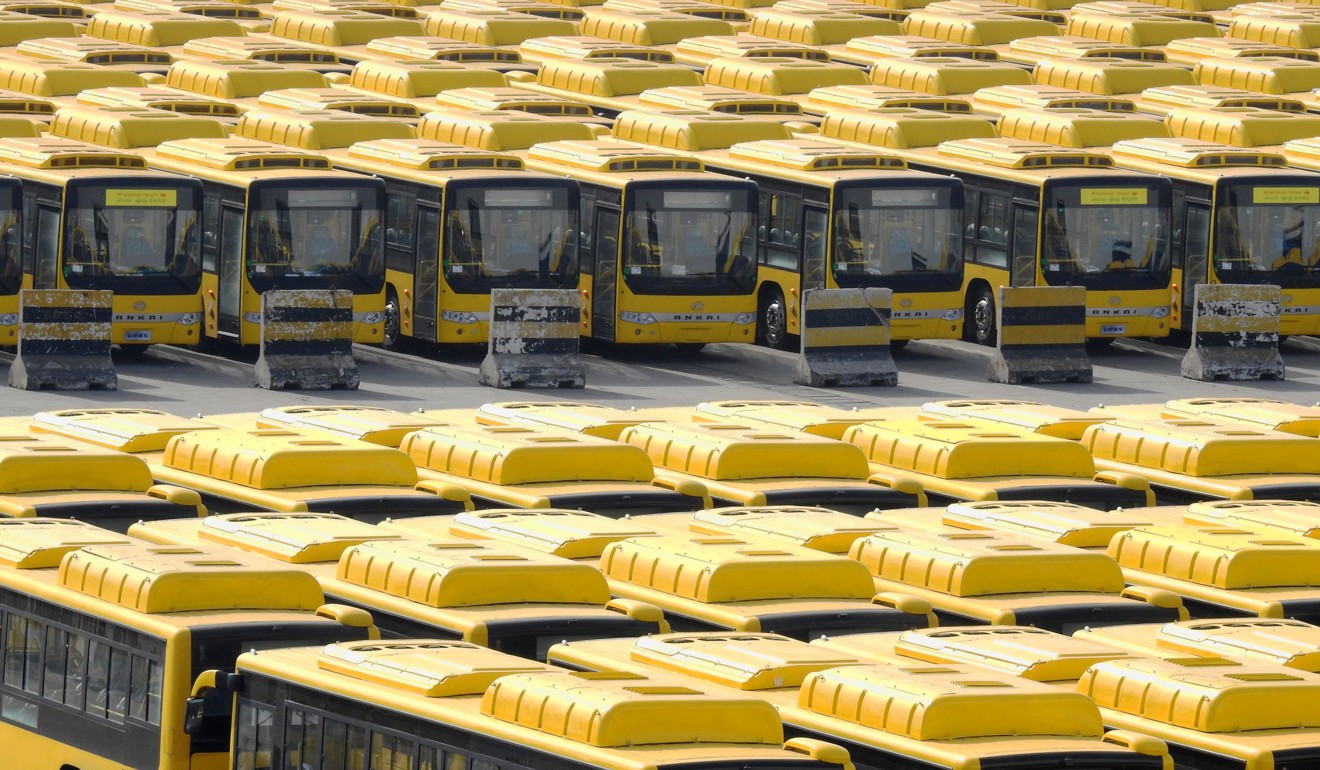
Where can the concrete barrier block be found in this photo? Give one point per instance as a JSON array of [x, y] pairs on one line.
[[307, 340], [1042, 336], [845, 339], [534, 340], [1235, 334], [64, 341]]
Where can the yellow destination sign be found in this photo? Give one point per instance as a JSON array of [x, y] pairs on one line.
[[1285, 195], [1115, 196], [160, 198]]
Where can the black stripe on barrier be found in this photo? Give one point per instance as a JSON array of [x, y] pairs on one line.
[[306, 347], [66, 315], [1058, 315], [842, 317], [287, 314], [1038, 351], [543, 314], [536, 347], [1236, 340], [36, 347]]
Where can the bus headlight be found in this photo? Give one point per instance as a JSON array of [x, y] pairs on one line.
[[641, 319], [456, 317], [188, 319], [1160, 312], [252, 318], [371, 318], [8, 319], [952, 314], [742, 319]]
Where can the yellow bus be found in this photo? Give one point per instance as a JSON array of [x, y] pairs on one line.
[[433, 704], [459, 222], [1042, 215], [99, 219], [103, 639], [666, 248], [1194, 458], [271, 218], [43, 476], [832, 217], [485, 592], [926, 716], [1010, 579], [1277, 641], [1216, 713], [1225, 571]]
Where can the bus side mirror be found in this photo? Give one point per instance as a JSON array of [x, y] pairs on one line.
[[642, 612], [911, 605], [1157, 597], [178, 496], [353, 617], [194, 715]]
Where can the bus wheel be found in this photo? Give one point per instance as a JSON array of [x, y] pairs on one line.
[[132, 351], [983, 318], [898, 344], [689, 347], [773, 325], [390, 341]]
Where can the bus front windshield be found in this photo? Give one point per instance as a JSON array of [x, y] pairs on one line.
[[133, 236], [896, 237], [326, 236], [511, 237], [1268, 233], [694, 240], [1111, 237]]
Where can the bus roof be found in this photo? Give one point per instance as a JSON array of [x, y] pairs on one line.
[[44, 464], [433, 668], [1074, 47], [717, 570], [416, 79], [500, 130], [40, 543], [162, 579], [902, 129], [949, 449], [1209, 695], [158, 29], [338, 28], [1220, 557], [1242, 126], [1214, 97], [590, 419], [126, 429], [49, 78], [564, 533], [801, 416], [16, 27], [1029, 653], [1291, 31], [743, 661], [985, 563], [1079, 128], [719, 99], [468, 573], [65, 156], [1263, 74], [237, 79], [157, 97], [1111, 77], [613, 77], [975, 28], [1048, 98], [1266, 412], [130, 127], [293, 538], [508, 455], [373, 424], [1198, 48], [493, 26], [1063, 523], [481, 99], [1143, 31], [1298, 518], [648, 27], [819, 529], [246, 155], [1179, 157], [870, 96], [817, 27], [318, 129], [694, 130], [944, 76], [780, 76], [278, 459], [730, 452], [1044, 419], [441, 49], [587, 47], [1280, 641], [707, 47], [1197, 447]]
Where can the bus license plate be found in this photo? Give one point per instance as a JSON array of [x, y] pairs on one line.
[[1113, 329], [132, 336]]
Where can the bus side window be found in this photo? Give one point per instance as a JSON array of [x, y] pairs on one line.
[[816, 237], [48, 248], [210, 232], [992, 223], [253, 741], [1196, 240]]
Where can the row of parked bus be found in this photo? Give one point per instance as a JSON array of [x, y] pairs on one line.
[[1013, 635], [690, 179]]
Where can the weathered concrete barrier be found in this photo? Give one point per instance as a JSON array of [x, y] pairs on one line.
[[1042, 336], [845, 339], [307, 340], [534, 340], [64, 341], [1235, 334]]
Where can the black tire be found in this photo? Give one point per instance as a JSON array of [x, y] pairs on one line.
[[392, 335], [1100, 343], [983, 321], [898, 344], [689, 347], [132, 351], [772, 321]]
